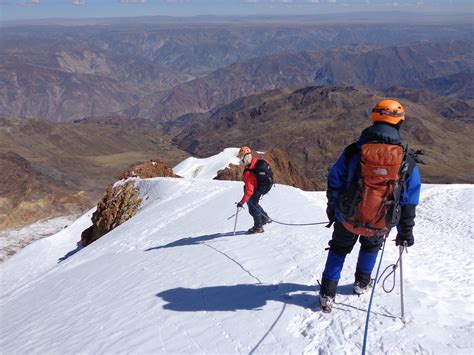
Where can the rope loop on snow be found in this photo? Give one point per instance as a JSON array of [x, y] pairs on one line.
[[393, 272]]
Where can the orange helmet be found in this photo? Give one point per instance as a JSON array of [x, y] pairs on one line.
[[389, 111], [244, 151]]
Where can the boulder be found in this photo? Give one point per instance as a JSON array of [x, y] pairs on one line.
[[120, 203]]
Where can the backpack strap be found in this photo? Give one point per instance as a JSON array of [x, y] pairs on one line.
[[349, 153]]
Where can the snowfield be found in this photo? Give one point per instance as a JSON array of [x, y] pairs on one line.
[[12, 240], [173, 279]]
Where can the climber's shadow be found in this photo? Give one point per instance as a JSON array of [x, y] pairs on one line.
[[196, 240], [238, 297]]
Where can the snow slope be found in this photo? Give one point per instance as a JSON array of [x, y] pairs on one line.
[[173, 279], [12, 240]]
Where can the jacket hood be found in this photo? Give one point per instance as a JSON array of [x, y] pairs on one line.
[[380, 133]]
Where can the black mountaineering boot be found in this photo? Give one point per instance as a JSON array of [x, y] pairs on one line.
[[327, 294], [362, 283], [255, 230]]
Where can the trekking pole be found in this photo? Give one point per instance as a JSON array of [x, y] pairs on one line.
[[236, 216], [402, 248]]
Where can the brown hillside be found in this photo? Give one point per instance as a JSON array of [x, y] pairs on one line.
[[372, 66], [28, 195], [79, 156], [315, 124]]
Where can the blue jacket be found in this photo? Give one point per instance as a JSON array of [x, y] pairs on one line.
[[343, 171]]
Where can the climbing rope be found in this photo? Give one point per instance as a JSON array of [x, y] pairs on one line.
[[283, 223], [393, 272], [366, 331], [299, 224]]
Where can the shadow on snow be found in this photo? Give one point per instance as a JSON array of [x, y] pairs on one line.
[[196, 240], [238, 297], [71, 253]]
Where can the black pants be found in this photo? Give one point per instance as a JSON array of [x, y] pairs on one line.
[[343, 241], [256, 211]]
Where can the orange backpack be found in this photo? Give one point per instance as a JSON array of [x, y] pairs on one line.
[[370, 205]]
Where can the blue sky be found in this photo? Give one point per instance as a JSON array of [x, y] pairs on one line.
[[37, 9]]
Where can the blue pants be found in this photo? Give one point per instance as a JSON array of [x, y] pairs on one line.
[[340, 245], [256, 211]]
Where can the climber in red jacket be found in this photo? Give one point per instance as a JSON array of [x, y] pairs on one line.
[[258, 179]]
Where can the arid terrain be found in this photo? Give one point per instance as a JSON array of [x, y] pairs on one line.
[[50, 169], [82, 101]]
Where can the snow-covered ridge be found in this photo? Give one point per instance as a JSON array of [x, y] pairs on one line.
[[173, 279], [207, 168]]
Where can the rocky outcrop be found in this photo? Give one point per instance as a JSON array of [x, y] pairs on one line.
[[284, 171], [120, 203], [232, 173], [149, 169]]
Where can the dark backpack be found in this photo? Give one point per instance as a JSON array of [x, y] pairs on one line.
[[370, 206], [264, 174]]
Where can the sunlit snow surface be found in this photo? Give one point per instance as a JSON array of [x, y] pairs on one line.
[[12, 240], [174, 280]]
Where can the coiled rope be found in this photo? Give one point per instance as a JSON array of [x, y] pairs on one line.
[[393, 272]]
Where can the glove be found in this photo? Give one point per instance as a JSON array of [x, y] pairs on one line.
[[239, 205], [331, 212], [405, 237]]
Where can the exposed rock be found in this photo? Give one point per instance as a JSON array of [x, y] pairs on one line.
[[287, 173], [119, 204], [284, 171], [232, 173], [149, 169]]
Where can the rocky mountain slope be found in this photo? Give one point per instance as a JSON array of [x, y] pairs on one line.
[[314, 124], [376, 67], [63, 73], [50, 168], [28, 194]]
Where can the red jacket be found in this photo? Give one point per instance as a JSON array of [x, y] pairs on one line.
[[250, 180]]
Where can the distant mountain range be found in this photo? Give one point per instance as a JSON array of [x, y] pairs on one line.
[[166, 91], [63, 73], [418, 65]]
